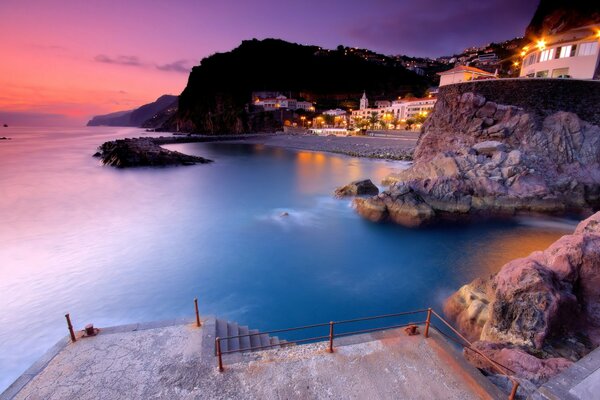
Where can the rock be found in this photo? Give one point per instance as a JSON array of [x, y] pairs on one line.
[[489, 147], [284, 214], [540, 313], [143, 152], [357, 188], [479, 157], [524, 365]]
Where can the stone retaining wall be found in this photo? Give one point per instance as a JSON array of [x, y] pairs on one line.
[[540, 96]]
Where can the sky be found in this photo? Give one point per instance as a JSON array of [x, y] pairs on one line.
[[62, 61]]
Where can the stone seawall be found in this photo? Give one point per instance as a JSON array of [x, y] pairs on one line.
[[537, 95]]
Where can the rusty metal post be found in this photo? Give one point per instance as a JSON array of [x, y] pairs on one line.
[[427, 322], [330, 337], [198, 323], [219, 354], [513, 392], [71, 331]]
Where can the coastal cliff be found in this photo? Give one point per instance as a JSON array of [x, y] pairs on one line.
[[538, 314], [498, 148], [151, 115]]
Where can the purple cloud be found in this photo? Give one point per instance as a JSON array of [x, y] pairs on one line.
[[132, 61], [182, 66]]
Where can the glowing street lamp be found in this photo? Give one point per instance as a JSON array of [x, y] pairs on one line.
[[541, 44]]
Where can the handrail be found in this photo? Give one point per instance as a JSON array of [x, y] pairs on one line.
[[469, 346]]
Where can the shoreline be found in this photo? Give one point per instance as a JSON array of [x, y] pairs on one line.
[[147, 151], [398, 147]]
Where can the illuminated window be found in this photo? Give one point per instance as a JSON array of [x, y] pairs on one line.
[[547, 55], [565, 51], [588, 49]]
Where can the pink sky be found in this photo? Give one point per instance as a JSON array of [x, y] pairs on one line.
[[75, 59]]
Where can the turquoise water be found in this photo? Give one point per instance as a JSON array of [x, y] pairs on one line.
[[119, 246]]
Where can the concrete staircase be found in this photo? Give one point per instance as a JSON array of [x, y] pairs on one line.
[[244, 343]]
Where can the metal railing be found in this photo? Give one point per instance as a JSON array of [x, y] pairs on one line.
[[466, 344]]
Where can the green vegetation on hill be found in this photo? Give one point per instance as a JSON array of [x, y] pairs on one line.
[[219, 89]]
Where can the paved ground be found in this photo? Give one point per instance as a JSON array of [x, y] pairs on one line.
[[580, 382], [177, 362]]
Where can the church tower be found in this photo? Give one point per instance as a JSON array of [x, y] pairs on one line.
[[364, 102]]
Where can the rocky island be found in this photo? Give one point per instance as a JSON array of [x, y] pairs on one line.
[[494, 148], [140, 152]]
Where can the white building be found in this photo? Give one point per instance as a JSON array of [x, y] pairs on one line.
[[400, 109], [275, 103], [463, 73], [573, 54], [336, 112], [305, 105]]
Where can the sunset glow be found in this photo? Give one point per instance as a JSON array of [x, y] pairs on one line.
[[63, 61]]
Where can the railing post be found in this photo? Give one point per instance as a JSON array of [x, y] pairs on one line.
[[428, 322], [198, 323], [513, 392], [219, 354], [71, 331], [330, 337]]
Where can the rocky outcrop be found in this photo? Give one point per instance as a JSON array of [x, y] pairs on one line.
[[142, 152], [540, 313], [477, 157], [357, 188]]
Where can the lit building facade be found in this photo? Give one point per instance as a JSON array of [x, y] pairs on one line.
[[571, 54], [463, 73], [401, 109]]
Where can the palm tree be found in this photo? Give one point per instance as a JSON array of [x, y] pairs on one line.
[[373, 119]]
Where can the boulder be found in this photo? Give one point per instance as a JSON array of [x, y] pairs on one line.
[[357, 188], [539, 313], [489, 147]]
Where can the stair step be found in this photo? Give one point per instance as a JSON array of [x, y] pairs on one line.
[[254, 340], [233, 330], [265, 341], [221, 333], [244, 340], [275, 340]]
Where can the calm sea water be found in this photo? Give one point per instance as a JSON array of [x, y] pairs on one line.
[[119, 246]]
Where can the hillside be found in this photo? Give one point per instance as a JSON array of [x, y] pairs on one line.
[[555, 16], [149, 115], [219, 89]]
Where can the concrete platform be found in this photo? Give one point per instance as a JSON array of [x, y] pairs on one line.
[[175, 360], [580, 382]]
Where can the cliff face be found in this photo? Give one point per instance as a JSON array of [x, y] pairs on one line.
[[480, 157], [555, 16], [218, 90], [150, 115]]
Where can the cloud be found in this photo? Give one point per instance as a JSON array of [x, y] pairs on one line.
[[132, 61], [414, 29], [182, 66]]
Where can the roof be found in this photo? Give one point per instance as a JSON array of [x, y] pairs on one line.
[[465, 68]]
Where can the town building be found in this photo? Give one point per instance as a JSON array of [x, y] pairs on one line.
[[336, 112], [305, 105], [282, 102], [571, 54], [400, 109], [463, 73]]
